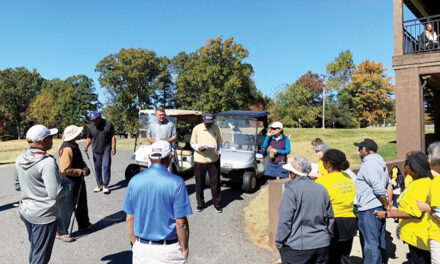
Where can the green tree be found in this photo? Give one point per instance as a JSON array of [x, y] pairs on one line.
[[371, 91], [339, 71], [214, 78], [135, 79], [18, 87], [299, 105], [43, 109]]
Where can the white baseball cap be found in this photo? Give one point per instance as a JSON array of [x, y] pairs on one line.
[[276, 125], [289, 167], [39, 132], [160, 149], [71, 132]]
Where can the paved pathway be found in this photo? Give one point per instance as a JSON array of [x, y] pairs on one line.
[[214, 238]]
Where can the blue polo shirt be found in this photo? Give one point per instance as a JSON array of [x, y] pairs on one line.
[[156, 198]]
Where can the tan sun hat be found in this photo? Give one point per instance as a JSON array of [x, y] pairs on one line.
[[71, 132]]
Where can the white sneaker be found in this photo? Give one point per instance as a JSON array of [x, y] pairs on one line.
[[97, 189], [106, 190]]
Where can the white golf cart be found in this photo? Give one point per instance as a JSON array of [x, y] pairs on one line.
[[242, 159], [183, 158]]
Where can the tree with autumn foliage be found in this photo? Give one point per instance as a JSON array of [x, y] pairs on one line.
[[371, 91], [215, 78]]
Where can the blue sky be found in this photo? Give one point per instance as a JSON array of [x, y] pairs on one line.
[[285, 38]]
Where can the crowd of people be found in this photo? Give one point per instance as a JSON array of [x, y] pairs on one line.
[[320, 212]]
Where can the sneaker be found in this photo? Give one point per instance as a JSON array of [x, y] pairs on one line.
[[65, 238], [200, 208], [89, 228], [219, 209], [106, 190], [97, 189]]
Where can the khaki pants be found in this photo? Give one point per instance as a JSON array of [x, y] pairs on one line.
[[157, 254], [435, 251]]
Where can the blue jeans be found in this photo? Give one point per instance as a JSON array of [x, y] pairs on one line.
[[103, 163], [372, 231], [41, 238]]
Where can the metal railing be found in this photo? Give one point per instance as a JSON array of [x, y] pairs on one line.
[[415, 39]]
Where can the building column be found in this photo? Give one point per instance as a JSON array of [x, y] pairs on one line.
[[410, 128], [436, 108], [398, 27]]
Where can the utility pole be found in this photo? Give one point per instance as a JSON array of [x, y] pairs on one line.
[[323, 101]]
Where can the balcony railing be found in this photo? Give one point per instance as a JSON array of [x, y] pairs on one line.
[[415, 39]]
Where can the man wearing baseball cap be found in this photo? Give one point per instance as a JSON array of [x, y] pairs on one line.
[[305, 222], [37, 176], [157, 206], [101, 134], [206, 140], [374, 192]]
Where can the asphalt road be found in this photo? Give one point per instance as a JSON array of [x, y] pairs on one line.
[[214, 238]]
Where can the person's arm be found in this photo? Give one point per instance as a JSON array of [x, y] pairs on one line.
[[330, 215], [130, 228], [66, 157], [113, 145], [194, 143], [286, 150], [394, 213], [286, 211], [50, 174], [173, 134], [266, 142], [88, 142], [150, 135], [16, 180], [371, 176], [182, 227], [390, 198]]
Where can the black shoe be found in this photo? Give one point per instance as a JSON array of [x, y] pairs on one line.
[[219, 209], [200, 208]]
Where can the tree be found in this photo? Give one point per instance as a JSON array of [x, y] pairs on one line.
[[18, 87], [339, 71], [43, 109], [299, 105], [135, 79], [371, 91], [214, 78]]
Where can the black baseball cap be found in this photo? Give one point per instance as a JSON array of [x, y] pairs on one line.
[[368, 144]]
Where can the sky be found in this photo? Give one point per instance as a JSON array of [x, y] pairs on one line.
[[285, 38]]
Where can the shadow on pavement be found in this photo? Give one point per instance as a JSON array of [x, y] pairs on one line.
[[228, 196], [120, 257], [105, 222], [391, 247], [7, 206], [121, 184]]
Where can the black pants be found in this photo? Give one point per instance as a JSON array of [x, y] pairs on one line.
[[340, 251], [418, 256], [213, 170], [82, 212], [291, 256]]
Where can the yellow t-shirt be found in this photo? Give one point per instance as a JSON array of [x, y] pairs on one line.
[[414, 231], [206, 137], [408, 180], [321, 169], [341, 190], [434, 197]]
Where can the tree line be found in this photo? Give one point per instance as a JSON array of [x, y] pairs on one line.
[[213, 78]]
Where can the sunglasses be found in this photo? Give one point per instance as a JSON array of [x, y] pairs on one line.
[[274, 128]]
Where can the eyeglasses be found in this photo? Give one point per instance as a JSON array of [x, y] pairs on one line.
[[273, 128]]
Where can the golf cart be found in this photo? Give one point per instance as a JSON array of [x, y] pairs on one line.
[[243, 134], [183, 158]]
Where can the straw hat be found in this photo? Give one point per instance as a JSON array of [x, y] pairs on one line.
[[71, 132]]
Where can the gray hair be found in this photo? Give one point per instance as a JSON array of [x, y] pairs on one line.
[[434, 154], [301, 164]]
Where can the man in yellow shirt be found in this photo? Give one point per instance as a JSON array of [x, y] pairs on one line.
[[206, 140]]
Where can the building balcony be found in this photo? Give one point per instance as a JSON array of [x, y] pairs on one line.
[[416, 40]]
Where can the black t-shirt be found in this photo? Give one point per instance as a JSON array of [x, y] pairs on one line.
[[101, 135]]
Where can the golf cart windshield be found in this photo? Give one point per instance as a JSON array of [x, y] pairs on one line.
[[238, 133]]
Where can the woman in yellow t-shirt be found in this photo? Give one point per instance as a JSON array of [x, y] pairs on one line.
[[414, 223], [341, 190], [319, 147]]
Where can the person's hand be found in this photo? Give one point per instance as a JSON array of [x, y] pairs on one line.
[[269, 133], [113, 152], [185, 252], [380, 214], [85, 149], [274, 150], [390, 205], [424, 207], [202, 148], [86, 172]]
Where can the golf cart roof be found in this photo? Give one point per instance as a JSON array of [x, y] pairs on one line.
[[185, 115], [260, 115]]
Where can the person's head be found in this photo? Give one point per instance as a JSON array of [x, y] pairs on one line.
[[366, 147], [320, 150], [95, 117], [72, 133], [276, 128], [160, 115], [428, 27], [317, 142], [208, 120], [161, 153], [434, 156], [417, 165], [335, 160], [39, 136], [298, 167]]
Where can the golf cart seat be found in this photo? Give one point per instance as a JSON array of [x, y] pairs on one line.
[[184, 152]]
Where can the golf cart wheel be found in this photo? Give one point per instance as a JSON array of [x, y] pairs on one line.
[[207, 179], [249, 184], [131, 170]]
